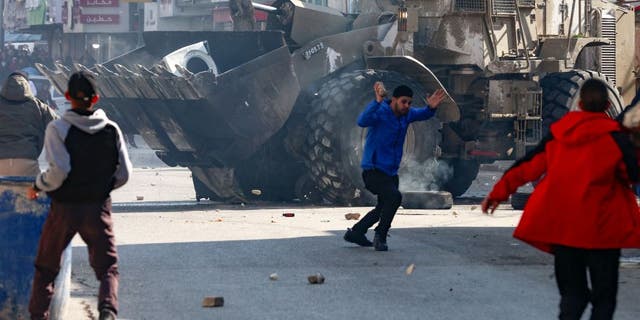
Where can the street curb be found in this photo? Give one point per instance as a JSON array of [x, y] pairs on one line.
[[159, 206]]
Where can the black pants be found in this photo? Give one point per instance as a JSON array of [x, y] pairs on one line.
[[571, 266], [389, 199]]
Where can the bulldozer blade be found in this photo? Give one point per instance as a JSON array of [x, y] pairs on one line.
[[57, 78], [246, 105], [219, 119]]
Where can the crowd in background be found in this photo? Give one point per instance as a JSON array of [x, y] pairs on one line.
[[14, 58], [21, 58]]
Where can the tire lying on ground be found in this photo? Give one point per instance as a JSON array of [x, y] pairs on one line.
[[334, 145], [560, 94], [427, 200], [519, 200]]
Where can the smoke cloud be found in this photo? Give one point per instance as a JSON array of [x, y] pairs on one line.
[[429, 175]]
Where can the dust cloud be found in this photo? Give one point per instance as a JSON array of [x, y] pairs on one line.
[[428, 175]]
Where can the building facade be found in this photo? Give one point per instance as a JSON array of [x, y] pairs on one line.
[[91, 31]]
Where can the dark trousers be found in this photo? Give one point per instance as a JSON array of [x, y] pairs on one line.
[[571, 266], [93, 222], [389, 199]]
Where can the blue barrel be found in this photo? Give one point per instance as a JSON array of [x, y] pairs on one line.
[[21, 221]]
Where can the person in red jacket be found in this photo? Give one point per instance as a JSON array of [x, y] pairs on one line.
[[583, 210]]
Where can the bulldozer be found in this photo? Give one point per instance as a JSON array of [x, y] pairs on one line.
[[272, 113]]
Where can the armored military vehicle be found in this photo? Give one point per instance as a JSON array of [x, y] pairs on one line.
[[274, 112]]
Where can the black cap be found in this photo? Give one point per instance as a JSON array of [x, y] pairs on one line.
[[19, 73], [82, 81], [402, 91]]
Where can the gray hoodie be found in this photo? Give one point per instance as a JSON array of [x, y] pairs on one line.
[[23, 120], [59, 158]]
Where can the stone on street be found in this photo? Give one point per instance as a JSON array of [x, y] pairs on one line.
[[469, 266]]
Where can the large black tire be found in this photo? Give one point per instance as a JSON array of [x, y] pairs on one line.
[[560, 95], [560, 92], [462, 175], [334, 144], [272, 170]]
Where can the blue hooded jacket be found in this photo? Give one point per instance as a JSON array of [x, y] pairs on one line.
[[385, 138]]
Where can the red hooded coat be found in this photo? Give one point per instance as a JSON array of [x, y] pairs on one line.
[[584, 199]]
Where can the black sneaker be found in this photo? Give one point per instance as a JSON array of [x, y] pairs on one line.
[[357, 238], [107, 314], [380, 242]]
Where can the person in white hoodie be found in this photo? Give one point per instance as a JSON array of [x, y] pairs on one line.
[[87, 160]]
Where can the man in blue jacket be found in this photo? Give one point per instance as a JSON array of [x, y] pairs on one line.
[[387, 121]]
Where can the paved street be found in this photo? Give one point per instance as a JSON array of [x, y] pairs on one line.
[[467, 266]]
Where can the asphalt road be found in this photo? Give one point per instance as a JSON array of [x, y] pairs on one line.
[[464, 268], [467, 265]]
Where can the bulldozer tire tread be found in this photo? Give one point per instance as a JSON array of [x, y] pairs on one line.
[[560, 91], [334, 165]]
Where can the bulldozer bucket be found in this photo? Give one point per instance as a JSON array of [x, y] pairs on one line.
[[200, 119]]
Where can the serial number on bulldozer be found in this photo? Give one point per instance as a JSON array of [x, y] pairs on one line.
[[313, 50]]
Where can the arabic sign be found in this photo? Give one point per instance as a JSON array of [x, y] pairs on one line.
[[99, 3], [99, 18], [151, 17]]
